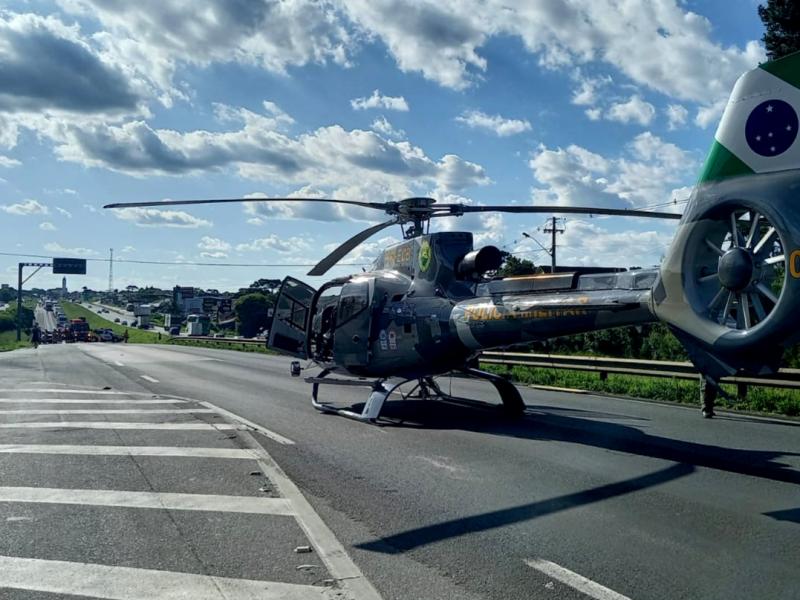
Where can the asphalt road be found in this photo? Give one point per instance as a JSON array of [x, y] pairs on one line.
[[584, 497]]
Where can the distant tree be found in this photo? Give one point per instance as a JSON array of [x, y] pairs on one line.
[[8, 294], [517, 266], [266, 285], [251, 312], [781, 20]]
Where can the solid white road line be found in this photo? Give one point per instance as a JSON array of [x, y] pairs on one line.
[[109, 411], [126, 499], [86, 401], [573, 580], [276, 437], [328, 548], [198, 426], [126, 451], [148, 378], [126, 583]]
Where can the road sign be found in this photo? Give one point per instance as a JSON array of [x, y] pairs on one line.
[[69, 266]]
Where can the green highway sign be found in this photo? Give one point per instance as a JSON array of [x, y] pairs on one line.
[[69, 266]]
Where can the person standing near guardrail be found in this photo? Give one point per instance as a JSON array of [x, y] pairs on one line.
[[125, 336]]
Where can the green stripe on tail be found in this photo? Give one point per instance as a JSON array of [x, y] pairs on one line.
[[722, 163]]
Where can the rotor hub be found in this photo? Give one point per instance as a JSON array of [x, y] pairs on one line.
[[736, 269]]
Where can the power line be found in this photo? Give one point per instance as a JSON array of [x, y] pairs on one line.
[[187, 263]]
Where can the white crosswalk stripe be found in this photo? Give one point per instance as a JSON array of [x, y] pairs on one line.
[[125, 583], [31, 574], [220, 503]]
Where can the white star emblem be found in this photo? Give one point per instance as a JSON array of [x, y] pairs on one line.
[[769, 108], [758, 138], [772, 148], [788, 128], [769, 134]]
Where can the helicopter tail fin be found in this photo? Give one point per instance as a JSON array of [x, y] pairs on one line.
[[730, 283]]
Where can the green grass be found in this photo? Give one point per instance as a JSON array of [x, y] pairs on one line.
[[8, 341], [759, 399], [135, 336], [240, 347]]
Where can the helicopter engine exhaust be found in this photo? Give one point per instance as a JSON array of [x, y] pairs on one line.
[[474, 264]]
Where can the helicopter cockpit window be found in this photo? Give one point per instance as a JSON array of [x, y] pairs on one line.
[[353, 301]]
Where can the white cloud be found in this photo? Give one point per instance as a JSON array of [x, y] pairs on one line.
[[658, 44], [594, 114], [711, 114], [90, 208], [28, 207], [154, 217], [378, 100], [8, 162], [153, 37], [496, 124], [214, 254], [215, 245], [55, 247], [63, 212], [634, 110], [676, 115], [382, 126], [585, 243], [128, 249], [645, 174], [47, 226], [288, 245]]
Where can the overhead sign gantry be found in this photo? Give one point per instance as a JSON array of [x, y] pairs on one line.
[[65, 266]]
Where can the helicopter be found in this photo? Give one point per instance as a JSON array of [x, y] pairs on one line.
[[728, 287]]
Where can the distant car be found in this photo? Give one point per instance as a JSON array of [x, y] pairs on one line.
[[144, 326], [116, 320], [175, 330], [134, 323], [125, 323], [220, 334]]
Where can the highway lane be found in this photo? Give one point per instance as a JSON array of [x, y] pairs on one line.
[[643, 499]]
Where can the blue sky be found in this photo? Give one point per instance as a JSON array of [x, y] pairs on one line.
[[585, 102]]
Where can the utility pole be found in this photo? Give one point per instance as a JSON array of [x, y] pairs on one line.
[[110, 269], [553, 228]]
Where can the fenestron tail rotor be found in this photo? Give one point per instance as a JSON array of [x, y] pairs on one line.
[[416, 211]]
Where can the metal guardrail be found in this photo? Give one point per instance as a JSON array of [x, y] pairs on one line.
[[603, 366], [785, 378]]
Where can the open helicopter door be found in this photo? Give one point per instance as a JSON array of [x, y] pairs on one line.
[[288, 331]]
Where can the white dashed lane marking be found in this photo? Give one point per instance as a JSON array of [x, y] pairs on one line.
[[573, 580], [218, 503], [233, 453], [148, 378], [126, 583]]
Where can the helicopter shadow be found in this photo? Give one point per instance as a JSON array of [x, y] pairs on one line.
[[608, 431], [546, 423]]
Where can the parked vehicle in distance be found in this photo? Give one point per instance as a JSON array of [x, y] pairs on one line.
[[116, 320], [124, 323], [175, 330]]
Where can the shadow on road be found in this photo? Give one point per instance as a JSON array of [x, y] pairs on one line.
[[422, 536], [545, 423]]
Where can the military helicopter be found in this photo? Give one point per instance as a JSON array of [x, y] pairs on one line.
[[728, 287]]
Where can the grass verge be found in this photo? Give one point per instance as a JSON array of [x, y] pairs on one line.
[[759, 399], [240, 347], [8, 341], [135, 336]]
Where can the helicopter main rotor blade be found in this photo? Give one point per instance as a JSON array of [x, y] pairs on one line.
[[376, 205], [581, 210], [326, 263]]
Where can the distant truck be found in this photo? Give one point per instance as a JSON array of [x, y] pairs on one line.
[[80, 330], [48, 306]]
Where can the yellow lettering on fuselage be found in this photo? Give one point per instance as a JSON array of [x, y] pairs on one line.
[[492, 313], [794, 264]]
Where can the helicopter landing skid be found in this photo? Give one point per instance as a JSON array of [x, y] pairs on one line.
[[372, 408], [426, 389]]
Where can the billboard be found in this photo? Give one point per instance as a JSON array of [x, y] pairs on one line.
[[69, 266]]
